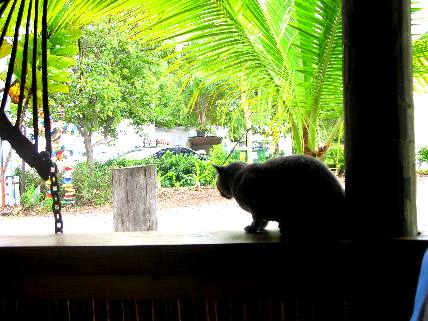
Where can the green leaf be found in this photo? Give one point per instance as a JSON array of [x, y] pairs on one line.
[[5, 49], [56, 88], [60, 62], [64, 50]]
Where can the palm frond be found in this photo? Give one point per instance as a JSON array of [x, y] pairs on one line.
[[213, 38], [316, 53], [70, 15], [420, 63], [293, 45]]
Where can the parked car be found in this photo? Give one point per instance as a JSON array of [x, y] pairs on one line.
[[179, 150]]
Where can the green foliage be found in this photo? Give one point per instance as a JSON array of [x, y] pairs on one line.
[[170, 110], [420, 63], [335, 158], [189, 170], [93, 185], [116, 78], [288, 54], [111, 81], [90, 184], [422, 172], [36, 190], [32, 179], [423, 155], [31, 197], [219, 156], [177, 170], [62, 46], [46, 204]]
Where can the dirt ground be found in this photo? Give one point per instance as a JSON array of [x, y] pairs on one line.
[[188, 197], [179, 211], [167, 198]]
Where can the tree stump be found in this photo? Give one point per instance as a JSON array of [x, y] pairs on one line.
[[134, 199]]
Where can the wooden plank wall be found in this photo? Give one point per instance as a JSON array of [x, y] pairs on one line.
[[229, 276], [171, 310]]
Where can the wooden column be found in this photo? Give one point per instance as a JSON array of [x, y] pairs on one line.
[[379, 133], [134, 199]]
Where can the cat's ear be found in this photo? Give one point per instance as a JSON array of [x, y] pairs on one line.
[[220, 169]]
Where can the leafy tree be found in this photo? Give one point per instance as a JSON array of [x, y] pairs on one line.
[[170, 110], [114, 79]]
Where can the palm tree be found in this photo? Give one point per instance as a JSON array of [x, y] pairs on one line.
[[288, 51]]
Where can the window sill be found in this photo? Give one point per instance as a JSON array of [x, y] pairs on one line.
[[149, 265]]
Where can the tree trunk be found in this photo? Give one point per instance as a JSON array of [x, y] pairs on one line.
[[248, 125], [23, 178], [87, 140], [202, 117], [22, 185], [6, 163], [134, 199]]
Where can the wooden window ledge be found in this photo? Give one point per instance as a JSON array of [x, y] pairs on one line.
[[218, 267]]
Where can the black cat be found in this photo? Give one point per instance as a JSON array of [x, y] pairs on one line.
[[299, 192]]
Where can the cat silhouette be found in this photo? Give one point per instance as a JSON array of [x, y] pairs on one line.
[[299, 192]]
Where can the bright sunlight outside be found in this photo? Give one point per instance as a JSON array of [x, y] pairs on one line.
[[126, 93]]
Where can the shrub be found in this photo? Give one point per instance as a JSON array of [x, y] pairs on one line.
[[335, 158], [31, 196], [178, 170], [94, 185], [32, 179], [218, 155], [423, 155], [46, 204], [36, 190], [423, 172]]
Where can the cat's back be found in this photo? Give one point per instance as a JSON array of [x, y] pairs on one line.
[[293, 165], [294, 172]]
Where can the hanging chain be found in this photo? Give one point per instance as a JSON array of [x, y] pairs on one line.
[[56, 199], [53, 176]]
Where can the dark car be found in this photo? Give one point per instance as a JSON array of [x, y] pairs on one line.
[[178, 150]]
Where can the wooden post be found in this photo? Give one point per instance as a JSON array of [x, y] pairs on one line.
[[379, 132], [134, 199]]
